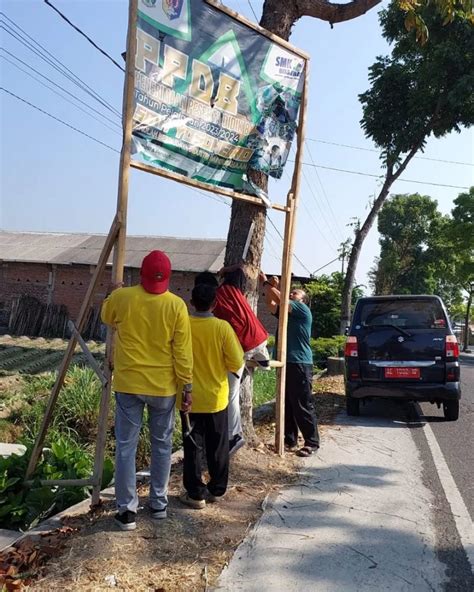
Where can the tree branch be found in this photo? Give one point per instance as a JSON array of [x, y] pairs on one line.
[[334, 13]]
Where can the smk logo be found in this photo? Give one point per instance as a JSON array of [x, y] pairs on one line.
[[149, 3], [172, 8]]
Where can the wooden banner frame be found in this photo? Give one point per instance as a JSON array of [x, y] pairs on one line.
[[116, 241]]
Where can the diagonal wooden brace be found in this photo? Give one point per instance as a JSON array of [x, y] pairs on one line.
[[87, 352]]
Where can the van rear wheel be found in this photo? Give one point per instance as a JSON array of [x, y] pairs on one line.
[[451, 410], [352, 406]]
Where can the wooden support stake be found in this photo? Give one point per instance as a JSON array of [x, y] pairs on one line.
[[288, 246], [86, 351], [119, 250], [80, 323]]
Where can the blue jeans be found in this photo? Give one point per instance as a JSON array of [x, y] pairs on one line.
[[128, 422]]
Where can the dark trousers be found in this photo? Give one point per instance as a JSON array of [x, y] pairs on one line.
[[209, 432], [299, 409]]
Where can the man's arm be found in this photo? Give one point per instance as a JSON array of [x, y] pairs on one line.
[[233, 352], [182, 347], [271, 291]]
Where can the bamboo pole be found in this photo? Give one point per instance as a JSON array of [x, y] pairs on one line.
[[119, 250], [81, 321], [288, 246]]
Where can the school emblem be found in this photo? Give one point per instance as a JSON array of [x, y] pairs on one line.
[[149, 3], [172, 8]]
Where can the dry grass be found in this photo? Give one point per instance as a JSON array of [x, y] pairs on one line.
[[188, 551]]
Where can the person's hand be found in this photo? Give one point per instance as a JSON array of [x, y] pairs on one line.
[[274, 281], [230, 268], [186, 401]]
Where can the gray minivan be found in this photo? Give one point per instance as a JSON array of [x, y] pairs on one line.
[[402, 347]]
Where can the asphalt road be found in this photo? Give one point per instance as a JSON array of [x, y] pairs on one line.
[[456, 438]]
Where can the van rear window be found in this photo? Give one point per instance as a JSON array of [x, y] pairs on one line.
[[409, 314]]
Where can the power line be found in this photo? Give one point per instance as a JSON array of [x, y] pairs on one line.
[[43, 54], [320, 166], [81, 32], [326, 265], [325, 194], [373, 150], [61, 87], [294, 254], [251, 8], [59, 120], [310, 215]]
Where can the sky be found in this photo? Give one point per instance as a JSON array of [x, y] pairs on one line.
[[54, 179]]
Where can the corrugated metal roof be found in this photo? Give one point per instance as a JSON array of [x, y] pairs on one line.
[[186, 254]]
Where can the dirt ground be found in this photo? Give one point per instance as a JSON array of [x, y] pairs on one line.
[[185, 552]]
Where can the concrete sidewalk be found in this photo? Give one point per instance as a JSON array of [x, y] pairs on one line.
[[359, 520]]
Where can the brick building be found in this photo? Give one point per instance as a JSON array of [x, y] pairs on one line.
[[44, 276]]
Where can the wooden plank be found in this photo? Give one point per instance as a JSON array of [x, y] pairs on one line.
[[64, 482], [282, 331], [80, 323], [119, 250], [288, 247], [90, 358], [248, 23], [200, 185]]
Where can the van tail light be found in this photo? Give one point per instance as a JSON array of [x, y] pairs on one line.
[[350, 349], [452, 347]]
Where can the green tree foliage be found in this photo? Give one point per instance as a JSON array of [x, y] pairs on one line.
[[325, 293], [417, 91], [417, 253]]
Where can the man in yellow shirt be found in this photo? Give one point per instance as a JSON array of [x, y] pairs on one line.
[[153, 354], [216, 351]]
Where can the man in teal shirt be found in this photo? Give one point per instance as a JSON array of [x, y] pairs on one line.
[[299, 410]]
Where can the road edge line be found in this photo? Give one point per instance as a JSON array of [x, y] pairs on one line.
[[459, 510]]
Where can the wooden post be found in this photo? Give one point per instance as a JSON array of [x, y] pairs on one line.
[[119, 250], [288, 246], [80, 323]]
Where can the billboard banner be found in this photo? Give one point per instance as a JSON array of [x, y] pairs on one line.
[[213, 97]]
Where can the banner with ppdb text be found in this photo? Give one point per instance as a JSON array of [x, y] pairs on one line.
[[213, 97]]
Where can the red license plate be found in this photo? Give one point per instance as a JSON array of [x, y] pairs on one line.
[[402, 373]]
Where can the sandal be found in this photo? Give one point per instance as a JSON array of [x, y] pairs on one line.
[[306, 451]]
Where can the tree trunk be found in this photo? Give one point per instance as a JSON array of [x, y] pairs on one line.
[[466, 321], [361, 234], [278, 18]]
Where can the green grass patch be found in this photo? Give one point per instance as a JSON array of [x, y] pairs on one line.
[[264, 385]]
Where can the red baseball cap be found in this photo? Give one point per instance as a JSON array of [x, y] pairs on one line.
[[155, 272]]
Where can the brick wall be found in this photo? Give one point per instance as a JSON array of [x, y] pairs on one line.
[[67, 284]]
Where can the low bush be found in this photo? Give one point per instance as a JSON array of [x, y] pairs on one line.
[[325, 347], [23, 506]]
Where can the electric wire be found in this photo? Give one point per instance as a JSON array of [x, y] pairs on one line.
[[294, 254], [374, 150], [320, 166], [59, 120], [62, 88], [81, 32], [331, 211], [251, 8], [53, 61]]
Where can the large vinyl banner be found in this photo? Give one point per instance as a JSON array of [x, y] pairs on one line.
[[213, 97]]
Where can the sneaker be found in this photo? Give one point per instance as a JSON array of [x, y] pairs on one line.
[[126, 520], [212, 499], [192, 503], [158, 514], [236, 443]]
